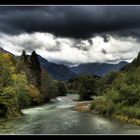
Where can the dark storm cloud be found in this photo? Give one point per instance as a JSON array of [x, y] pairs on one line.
[[71, 21]]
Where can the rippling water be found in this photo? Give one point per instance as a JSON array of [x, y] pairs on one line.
[[58, 117]]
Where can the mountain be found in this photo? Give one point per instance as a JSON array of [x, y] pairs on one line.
[[99, 69], [58, 72]]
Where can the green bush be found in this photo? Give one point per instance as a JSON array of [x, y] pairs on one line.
[[131, 111], [21, 88], [61, 89], [9, 103], [92, 106], [113, 95], [103, 105]]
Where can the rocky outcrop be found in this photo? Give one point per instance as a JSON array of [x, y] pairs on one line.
[[82, 106]]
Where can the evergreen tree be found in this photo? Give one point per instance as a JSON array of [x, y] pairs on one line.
[[24, 58], [35, 68]]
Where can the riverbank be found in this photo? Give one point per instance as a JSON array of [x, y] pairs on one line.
[[126, 119], [85, 106]]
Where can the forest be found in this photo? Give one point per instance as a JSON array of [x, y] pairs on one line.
[[23, 83]]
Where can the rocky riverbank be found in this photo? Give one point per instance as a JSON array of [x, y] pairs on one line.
[[83, 106]]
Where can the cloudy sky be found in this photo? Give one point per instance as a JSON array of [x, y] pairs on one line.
[[72, 35]]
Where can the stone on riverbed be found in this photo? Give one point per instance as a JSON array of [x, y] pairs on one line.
[[82, 106]]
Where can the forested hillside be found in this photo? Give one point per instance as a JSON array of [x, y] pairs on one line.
[[24, 83], [120, 93]]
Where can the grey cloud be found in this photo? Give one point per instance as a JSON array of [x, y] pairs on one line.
[[79, 44], [104, 51], [90, 41], [64, 62], [30, 45]]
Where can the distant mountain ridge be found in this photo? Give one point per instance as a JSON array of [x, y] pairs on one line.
[[57, 71], [99, 69]]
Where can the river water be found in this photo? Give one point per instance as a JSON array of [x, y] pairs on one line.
[[58, 117]]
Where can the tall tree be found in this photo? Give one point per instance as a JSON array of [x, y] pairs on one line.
[[86, 86], [24, 58], [35, 68]]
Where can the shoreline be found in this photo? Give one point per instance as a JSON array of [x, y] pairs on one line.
[[84, 106]]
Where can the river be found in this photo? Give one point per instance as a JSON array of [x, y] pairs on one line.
[[58, 117]]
